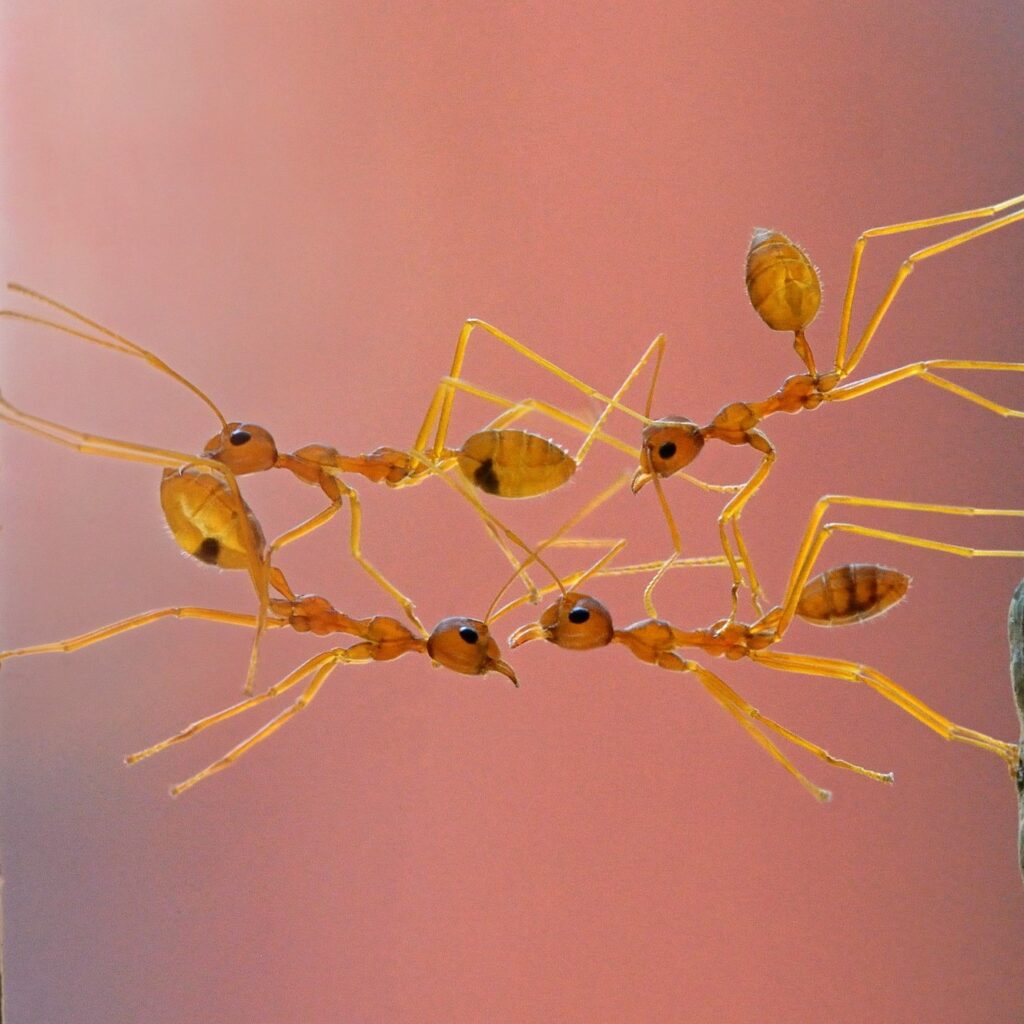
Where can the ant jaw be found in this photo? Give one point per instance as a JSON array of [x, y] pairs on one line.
[[640, 478], [531, 631], [504, 668]]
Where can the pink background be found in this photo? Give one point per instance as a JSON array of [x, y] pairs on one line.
[[297, 205]]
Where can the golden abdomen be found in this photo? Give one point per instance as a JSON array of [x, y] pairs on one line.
[[781, 281], [851, 593], [514, 463], [207, 519]]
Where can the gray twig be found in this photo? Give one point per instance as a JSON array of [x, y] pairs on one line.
[[1016, 636]]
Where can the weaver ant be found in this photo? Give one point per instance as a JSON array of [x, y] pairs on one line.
[[784, 288], [845, 594]]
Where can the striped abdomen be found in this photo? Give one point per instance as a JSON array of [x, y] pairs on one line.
[[851, 593], [514, 463]]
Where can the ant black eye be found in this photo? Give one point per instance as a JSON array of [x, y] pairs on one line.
[[469, 634], [667, 450], [579, 614], [240, 437]]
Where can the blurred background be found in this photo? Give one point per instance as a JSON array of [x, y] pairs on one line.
[[297, 205]]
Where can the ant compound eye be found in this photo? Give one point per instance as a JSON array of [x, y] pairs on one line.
[[240, 437], [667, 450], [579, 614], [469, 634]]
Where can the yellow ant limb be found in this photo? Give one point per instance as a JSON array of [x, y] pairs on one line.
[[600, 568], [439, 415], [844, 366], [95, 636]]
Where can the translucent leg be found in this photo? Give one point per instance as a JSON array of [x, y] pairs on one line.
[[96, 636], [834, 668], [319, 666], [924, 371], [556, 537], [261, 734], [749, 717], [729, 518], [845, 366]]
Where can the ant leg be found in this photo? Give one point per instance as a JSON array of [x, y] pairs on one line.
[[294, 677], [816, 534], [320, 667], [844, 366], [656, 346], [749, 718], [558, 539], [923, 370], [495, 525], [354, 543], [272, 726], [834, 668], [731, 515], [96, 636], [515, 410]]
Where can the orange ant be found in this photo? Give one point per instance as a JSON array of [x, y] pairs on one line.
[[848, 593], [462, 644], [199, 495], [784, 288]]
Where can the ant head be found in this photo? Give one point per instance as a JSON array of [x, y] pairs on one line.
[[575, 621], [243, 448], [669, 444], [466, 646]]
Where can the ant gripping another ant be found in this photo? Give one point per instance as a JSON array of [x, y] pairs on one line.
[[784, 287], [842, 595]]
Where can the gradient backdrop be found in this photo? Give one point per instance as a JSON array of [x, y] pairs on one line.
[[297, 205]]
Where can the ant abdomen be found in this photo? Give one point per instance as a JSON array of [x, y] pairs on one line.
[[851, 593], [782, 282], [514, 463], [206, 518]]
